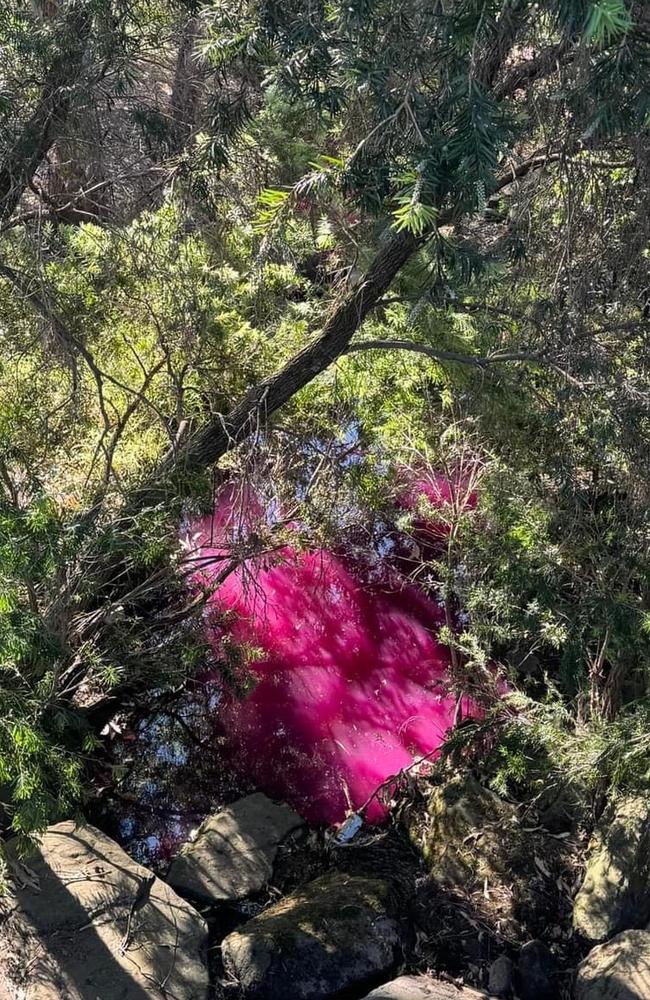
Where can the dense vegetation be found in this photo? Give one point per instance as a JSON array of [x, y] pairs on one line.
[[258, 237]]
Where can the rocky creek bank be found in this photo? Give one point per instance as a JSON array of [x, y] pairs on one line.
[[463, 896]]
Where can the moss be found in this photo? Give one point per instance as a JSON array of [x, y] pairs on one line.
[[334, 933], [462, 831], [331, 906]]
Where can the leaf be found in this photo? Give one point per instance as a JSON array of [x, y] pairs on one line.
[[328, 161], [415, 217], [607, 20], [271, 204], [325, 238]]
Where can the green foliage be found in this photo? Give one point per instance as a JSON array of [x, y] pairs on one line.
[[411, 213], [224, 177], [272, 206], [608, 20], [539, 752]]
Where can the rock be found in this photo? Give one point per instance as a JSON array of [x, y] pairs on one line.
[[422, 988], [615, 894], [466, 826], [334, 933], [501, 977], [537, 972], [85, 921], [476, 847], [617, 970], [234, 851], [559, 808]]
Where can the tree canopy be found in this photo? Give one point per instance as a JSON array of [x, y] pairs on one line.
[[252, 238]]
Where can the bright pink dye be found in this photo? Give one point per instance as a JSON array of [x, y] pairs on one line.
[[447, 497], [351, 684]]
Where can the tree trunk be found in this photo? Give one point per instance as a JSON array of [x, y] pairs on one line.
[[45, 124], [188, 83], [224, 432]]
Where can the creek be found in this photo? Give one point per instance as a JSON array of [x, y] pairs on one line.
[[328, 680]]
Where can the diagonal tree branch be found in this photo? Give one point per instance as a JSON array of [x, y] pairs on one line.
[[223, 433]]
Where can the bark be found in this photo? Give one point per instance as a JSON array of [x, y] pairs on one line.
[[188, 83], [224, 433]]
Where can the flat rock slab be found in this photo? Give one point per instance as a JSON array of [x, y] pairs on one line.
[[334, 933], [615, 894], [86, 922], [234, 851], [423, 988], [618, 970]]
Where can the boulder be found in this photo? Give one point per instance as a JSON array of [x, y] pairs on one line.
[[233, 854], [334, 933], [501, 977], [617, 970], [463, 832], [615, 894], [537, 972], [85, 921], [423, 988]]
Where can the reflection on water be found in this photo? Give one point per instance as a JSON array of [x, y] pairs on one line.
[[168, 772]]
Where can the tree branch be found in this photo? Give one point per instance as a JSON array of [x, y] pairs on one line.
[[223, 433], [475, 360], [517, 171]]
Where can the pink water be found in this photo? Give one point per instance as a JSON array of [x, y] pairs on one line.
[[350, 684], [446, 498]]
